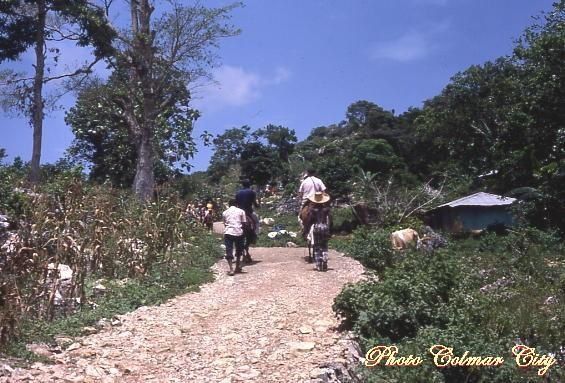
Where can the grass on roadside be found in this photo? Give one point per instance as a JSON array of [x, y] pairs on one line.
[[190, 269]]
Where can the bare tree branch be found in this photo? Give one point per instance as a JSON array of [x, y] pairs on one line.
[[425, 203], [84, 70]]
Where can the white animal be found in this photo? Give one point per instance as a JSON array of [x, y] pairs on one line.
[[402, 239]]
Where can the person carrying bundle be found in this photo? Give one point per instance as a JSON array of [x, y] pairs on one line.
[[246, 199]]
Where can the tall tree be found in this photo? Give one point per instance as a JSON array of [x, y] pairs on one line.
[[505, 119], [376, 156], [258, 163], [228, 147], [28, 23], [474, 119], [102, 138], [541, 54], [279, 138], [367, 118], [181, 43]]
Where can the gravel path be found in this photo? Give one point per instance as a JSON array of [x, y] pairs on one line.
[[272, 323]]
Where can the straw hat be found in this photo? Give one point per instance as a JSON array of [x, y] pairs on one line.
[[319, 197]]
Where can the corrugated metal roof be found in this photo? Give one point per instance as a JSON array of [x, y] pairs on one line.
[[481, 199]]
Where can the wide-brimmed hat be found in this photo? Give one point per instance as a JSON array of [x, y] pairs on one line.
[[319, 197]]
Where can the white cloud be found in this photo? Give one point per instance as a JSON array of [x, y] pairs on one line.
[[413, 45], [282, 74], [234, 86], [409, 47]]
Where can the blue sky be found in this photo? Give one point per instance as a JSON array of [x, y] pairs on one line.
[[300, 63]]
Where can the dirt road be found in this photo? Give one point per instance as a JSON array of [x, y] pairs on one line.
[[272, 323]]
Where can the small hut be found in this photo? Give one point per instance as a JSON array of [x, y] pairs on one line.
[[474, 212]]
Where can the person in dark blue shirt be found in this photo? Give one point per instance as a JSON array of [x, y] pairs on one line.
[[246, 200]]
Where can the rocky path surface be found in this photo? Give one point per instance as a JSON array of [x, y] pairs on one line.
[[272, 323]]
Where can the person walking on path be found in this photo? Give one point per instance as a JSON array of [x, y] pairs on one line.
[[246, 200], [209, 216], [234, 220], [317, 225]]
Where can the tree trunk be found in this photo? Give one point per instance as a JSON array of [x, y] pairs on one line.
[[144, 181], [37, 98]]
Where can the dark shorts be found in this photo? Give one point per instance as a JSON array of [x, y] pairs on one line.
[[233, 240]]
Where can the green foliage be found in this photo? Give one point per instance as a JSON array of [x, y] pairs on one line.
[[369, 141], [195, 187], [477, 101], [16, 31], [30, 23], [480, 296], [509, 120], [394, 205], [274, 162], [372, 248], [11, 176], [496, 126], [227, 151], [336, 174], [280, 138], [18, 28], [343, 220], [376, 155], [262, 156], [258, 164], [369, 119], [103, 137]]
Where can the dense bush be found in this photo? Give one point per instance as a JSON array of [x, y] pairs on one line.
[[482, 296], [10, 178], [410, 296], [344, 220], [372, 248]]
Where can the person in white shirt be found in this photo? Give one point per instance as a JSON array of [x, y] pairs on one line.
[[309, 186], [234, 219]]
